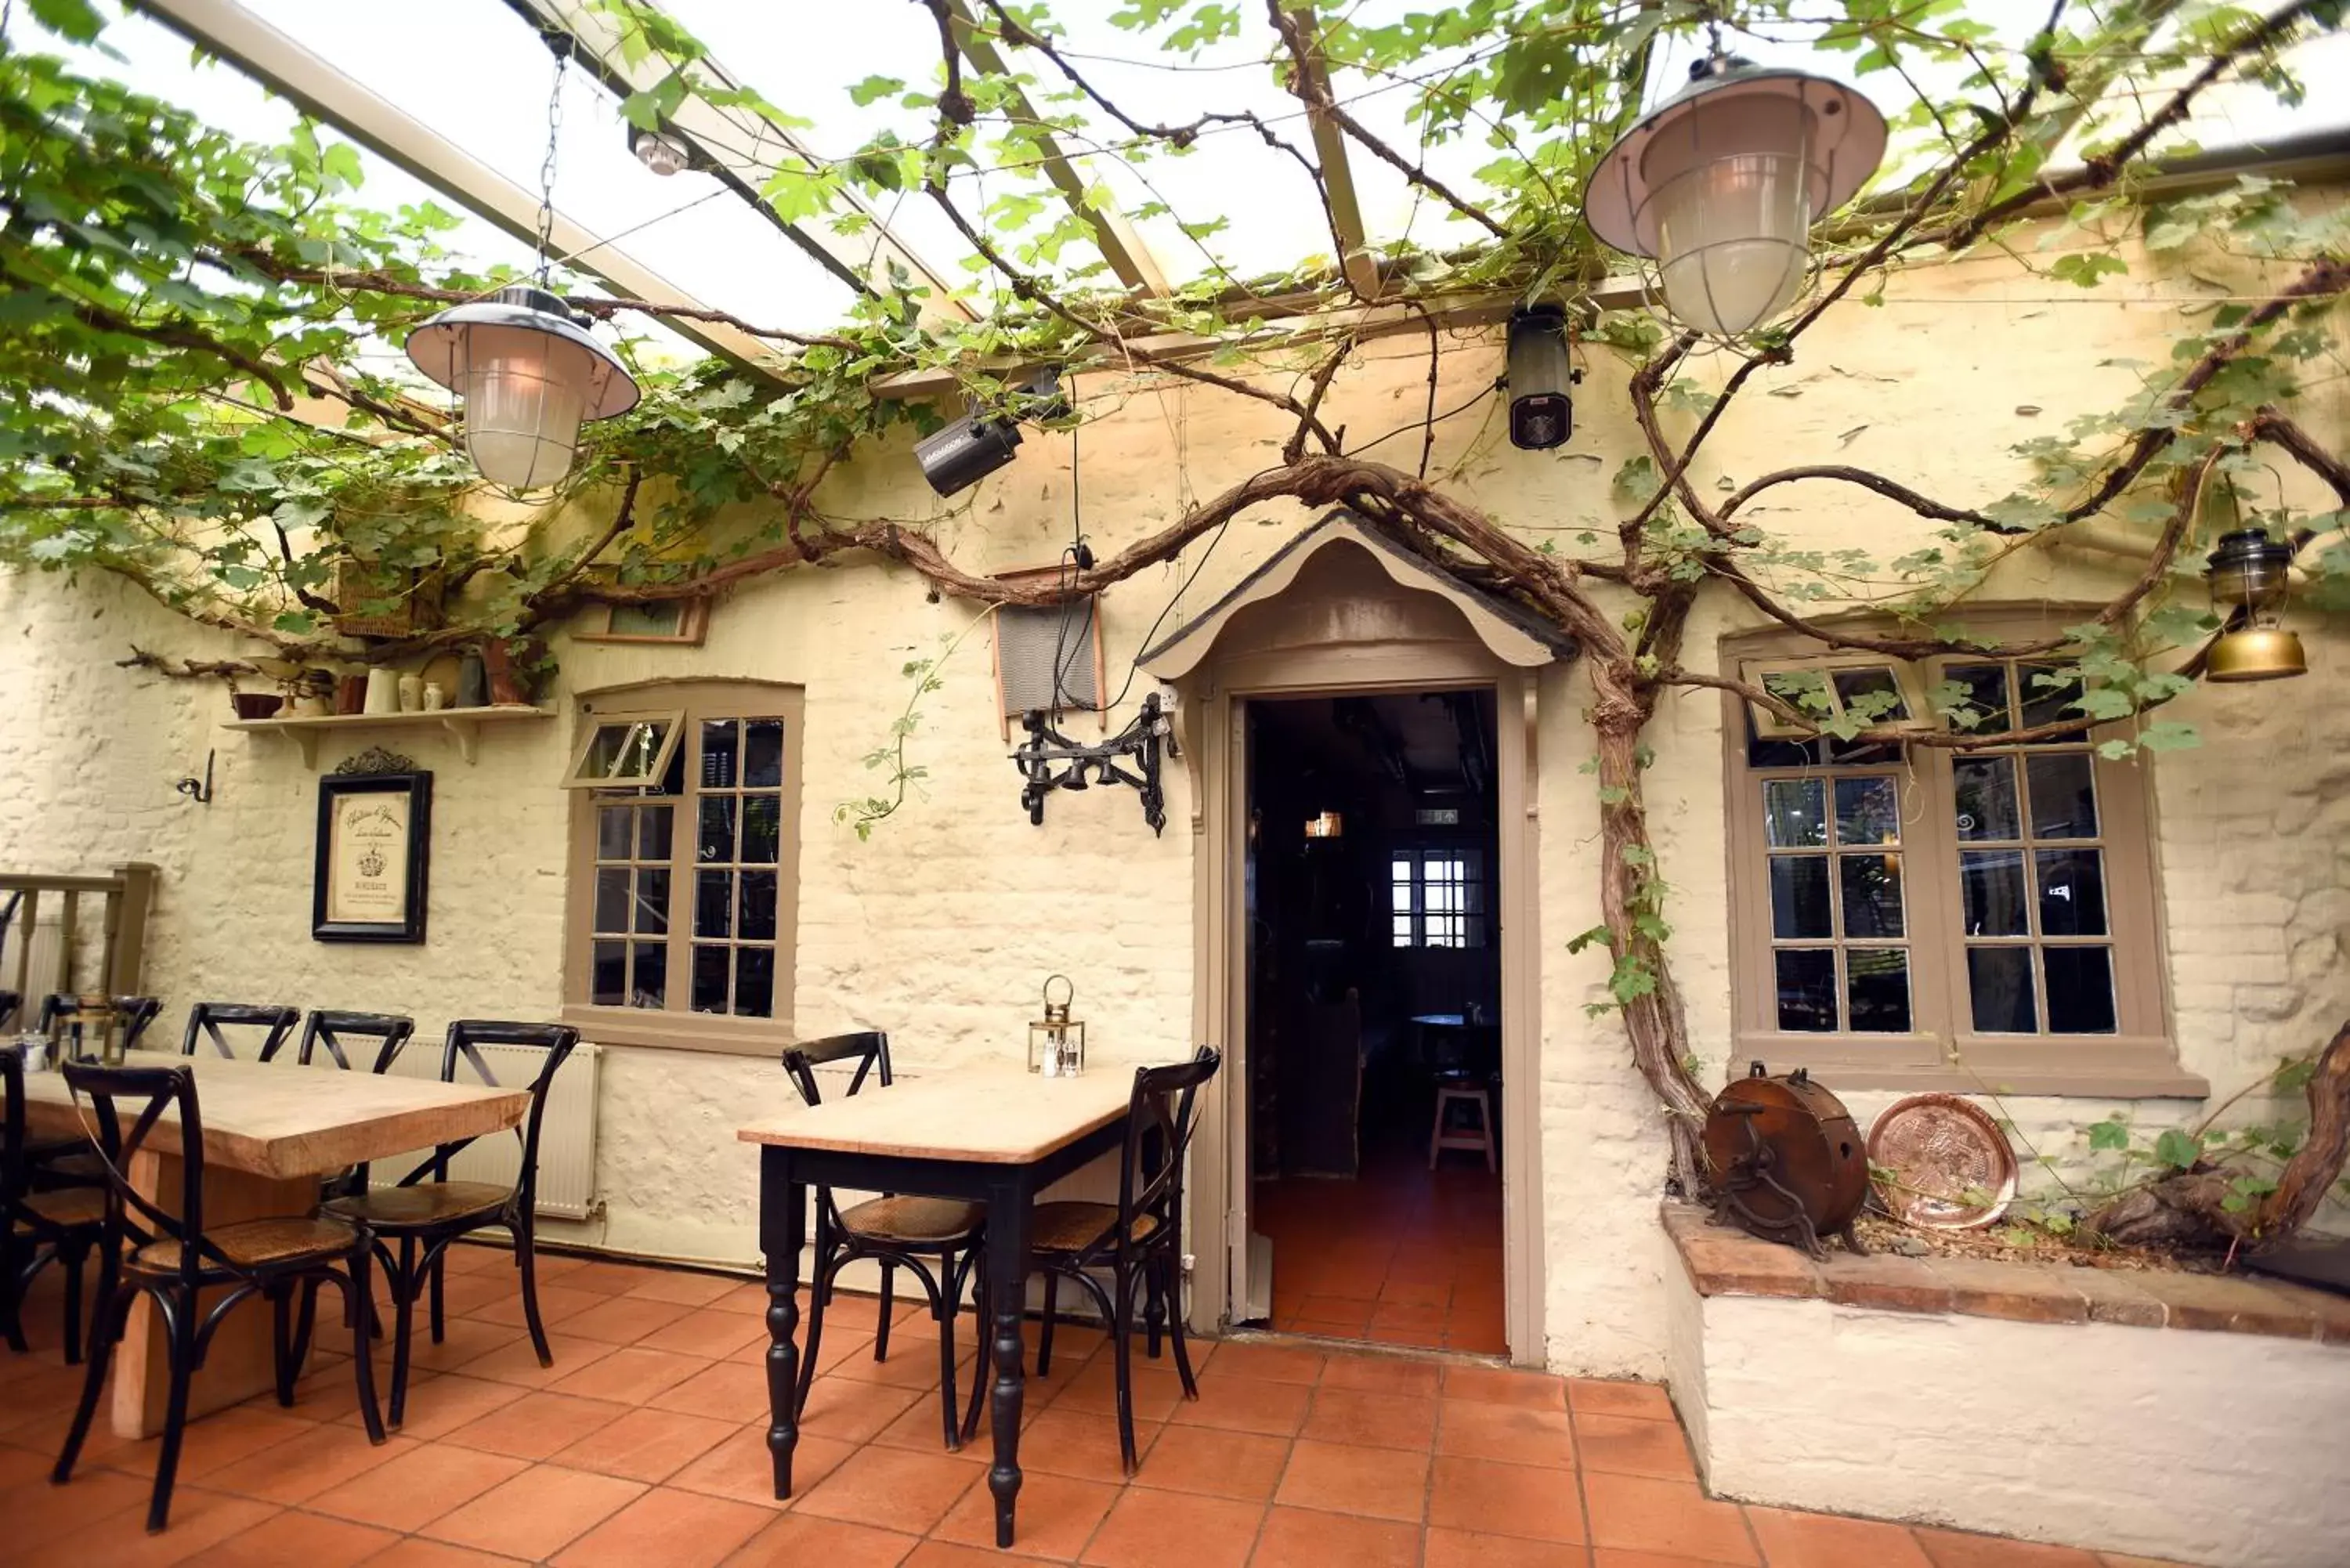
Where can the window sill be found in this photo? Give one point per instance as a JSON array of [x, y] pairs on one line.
[[646, 1029], [1916, 1064]]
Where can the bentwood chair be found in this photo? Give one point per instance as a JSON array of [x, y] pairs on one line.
[[1139, 1242], [907, 1234], [208, 1018], [72, 1160], [38, 1228], [426, 1211], [9, 1003], [387, 1035], [150, 1251]]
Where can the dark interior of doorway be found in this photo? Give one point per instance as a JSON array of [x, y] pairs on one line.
[[1374, 1017]]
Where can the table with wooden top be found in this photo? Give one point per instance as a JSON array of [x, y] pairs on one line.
[[270, 1130], [994, 1135]]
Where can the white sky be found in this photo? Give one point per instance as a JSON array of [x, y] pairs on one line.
[[476, 73]]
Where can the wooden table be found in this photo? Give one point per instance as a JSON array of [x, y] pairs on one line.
[[271, 1131], [995, 1134]]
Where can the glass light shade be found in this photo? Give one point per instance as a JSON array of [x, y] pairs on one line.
[[2247, 571], [526, 394]]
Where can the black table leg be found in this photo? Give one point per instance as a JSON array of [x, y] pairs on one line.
[[1007, 1286], [782, 1205]]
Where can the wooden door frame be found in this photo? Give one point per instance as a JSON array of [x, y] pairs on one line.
[[1212, 715]]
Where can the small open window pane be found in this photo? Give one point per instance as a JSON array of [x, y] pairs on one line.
[[613, 830], [754, 983], [624, 753], [2064, 795], [1870, 692], [710, 966], [1872, 895], [1876, 989], [652, 903], [2072, 894], [1868, 811], [2080, 990], [1795, 813], [1985, 787], [612, 898], [1799, 897], [713, 900], [1999, 982], [609, 962], [1991, 892], [1807, 990], [763, 754]]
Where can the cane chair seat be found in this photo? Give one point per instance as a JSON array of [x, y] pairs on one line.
[[423, 1203], [929, 1221], [1074, 1227], [257, 1243], [69, 1206]]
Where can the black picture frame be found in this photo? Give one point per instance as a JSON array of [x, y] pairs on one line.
[[378, 828]]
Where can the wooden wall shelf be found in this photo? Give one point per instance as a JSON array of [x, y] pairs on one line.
[[463, 723]]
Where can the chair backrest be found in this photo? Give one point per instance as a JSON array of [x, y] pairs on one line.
[[131, 1218], [62, 1011], [14, 1177], [9, 1003], [208, 1017], [1158, 1127], [389, 1031], [870, 1050], [465, 1038]]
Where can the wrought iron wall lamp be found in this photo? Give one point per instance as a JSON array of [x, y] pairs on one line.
[[1151, 732]]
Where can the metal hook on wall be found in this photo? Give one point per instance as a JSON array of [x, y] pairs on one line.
[[198, 790]]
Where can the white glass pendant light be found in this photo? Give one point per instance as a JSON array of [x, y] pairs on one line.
[[1720, 183], [529, 375]]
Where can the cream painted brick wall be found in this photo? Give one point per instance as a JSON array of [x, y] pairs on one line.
[[941, 927]]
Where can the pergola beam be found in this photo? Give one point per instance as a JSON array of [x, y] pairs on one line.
[[229, 32], [745, 149], [1313, 87], [1118, 242]]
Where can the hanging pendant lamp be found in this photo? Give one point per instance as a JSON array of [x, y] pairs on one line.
[[1722, 181], [2248, 582], [529, 375]]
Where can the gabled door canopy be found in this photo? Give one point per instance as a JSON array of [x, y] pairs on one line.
[[1511, 634]]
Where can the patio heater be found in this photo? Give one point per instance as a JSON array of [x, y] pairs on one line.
[[1719, 184], [2246, 573]]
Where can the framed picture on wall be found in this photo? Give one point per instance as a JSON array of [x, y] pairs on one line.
[[375, 846]]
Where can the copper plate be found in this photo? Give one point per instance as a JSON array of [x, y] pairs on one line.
[[1951, 1167]]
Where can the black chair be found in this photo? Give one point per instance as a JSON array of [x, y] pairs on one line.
[[38, 1228], [150, 1251], [209, 1018], [1139, 1242], [389, 1032], [9, 1003], [426, 1211], [895, 1232], [64, 1017]]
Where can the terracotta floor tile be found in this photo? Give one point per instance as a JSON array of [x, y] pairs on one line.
[[464, 1339], [1792, 1539], [557, 1303], [416, 1488], [629, 1376], [604, 1277], [1148, 1529], [518, 1362], [291, 1473], [1674, 1518], [475, 1257], [38, 1513], [706, 1332], [1057, 1515], [1628, 1445], [200, 1519], [1269, 1363], [923, 1426], [1377, 1420], [1956, 1548], [1331, 1311], [1529, 1500], [437, 1407], [648, 1446], [536, 1513], [949, 1554], [291, 1539], [536, 1425], [684, 1288], [1299, 1538], [1617, 1557], [216, 1441], [1508, 1432], [1210, 1463], [2121, 1560], [852, 1412], [892, 1488], [726, 1391], [739, 1466], [1158, 1394], [1411, 1316], [415, 1551], [1376, 1483], [801, 1540], [1467, 1548], [1501, 1385], [624, 1319], [674, 1529], [1239, 1404], [1382, 1374], [1598, 1396]]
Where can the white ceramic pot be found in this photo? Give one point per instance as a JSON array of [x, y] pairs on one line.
[[382, 692]]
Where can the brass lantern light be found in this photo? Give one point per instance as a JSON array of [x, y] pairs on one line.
[[1722, 181], [1057, 1042], [2246, 576]]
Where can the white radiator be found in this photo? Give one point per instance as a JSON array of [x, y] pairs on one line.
[[566, 1135]]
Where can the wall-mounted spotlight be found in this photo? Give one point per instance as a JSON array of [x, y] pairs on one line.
[[968, 450], [1542, 405], [662, 152]]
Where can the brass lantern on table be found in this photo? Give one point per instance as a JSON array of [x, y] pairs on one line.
[[1057, 1042], [2247, 576]]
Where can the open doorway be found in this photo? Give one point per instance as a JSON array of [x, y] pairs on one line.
[[1373, 1018]]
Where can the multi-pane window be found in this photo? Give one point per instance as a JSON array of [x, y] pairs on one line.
[[690, 870], [1839, 938], [1436, 899]]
